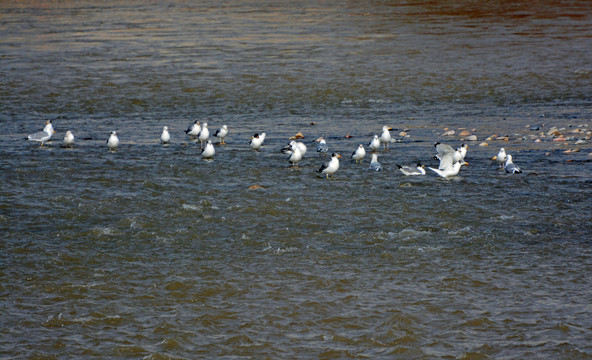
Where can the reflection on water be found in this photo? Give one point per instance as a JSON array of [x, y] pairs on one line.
[[150, 251]]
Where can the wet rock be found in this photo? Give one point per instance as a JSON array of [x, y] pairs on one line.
[[464, 133], [553, 132], [483, 144], [449, 133], [471, 138]]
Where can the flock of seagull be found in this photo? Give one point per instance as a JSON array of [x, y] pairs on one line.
[[451, 160]]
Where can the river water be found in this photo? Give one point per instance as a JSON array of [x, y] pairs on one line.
[[151, 252]]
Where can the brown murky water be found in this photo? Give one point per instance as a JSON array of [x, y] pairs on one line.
[[152, 252]]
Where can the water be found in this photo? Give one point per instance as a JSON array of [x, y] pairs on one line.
[[152, 252]]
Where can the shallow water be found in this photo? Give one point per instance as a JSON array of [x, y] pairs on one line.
[[150, 251]]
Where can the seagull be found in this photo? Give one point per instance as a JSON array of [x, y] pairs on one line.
[[374, 164], [165, 137], [68, 139], [329, 168], [43, 136], [463, 151], [193, 129], [208, 151], [448, 168], [262, 137], [295, 155], [322, 147], [204, 134], [374, 144], [501, 157], [385, 137], [444, 149], [412, 171], [510, 167], [288, 149], [359, 154], [256, 141], [221, 133], [113, 141]]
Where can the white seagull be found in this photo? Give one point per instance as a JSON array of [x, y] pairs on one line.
[[322, 147], [374, 144], [193, 129], [447, 167], [256, 141], [374, 164], [359, 154], [412, 171], [69, 139], [204, 134], [295, 155], [165, 137], [113, 141], [208, 151], [501, 157], [510, 167], [462, 150], [385, 137], [329, 168], [290, 147], [221, 133], [43, 136]]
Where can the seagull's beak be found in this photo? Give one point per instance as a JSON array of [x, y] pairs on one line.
[[390, 128], [465, 163], [494, 158]]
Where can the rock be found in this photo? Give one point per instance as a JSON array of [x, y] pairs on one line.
[[255, 187], [449, 133], [483, 144], [297, 136], [464, 133], [553, 132], [560, 138], [471, 138]]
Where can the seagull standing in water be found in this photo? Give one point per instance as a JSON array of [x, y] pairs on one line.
[[374, 144], [69, 139], [501, 157], [204, 134], [295, 154], [510, 167], [322, 147], [329, 168], [385, 137], [359, 154], [256, 141], [208, 151], [412, 171], [374, 164], [221, 133], [193, 129], [43, 136], [165, 137], [113, 141]]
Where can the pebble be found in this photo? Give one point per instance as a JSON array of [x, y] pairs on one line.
[[483, 144], [471, 138], [464, 133], [449, 133]]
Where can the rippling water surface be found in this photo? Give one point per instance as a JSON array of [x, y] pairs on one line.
[[151, 252]]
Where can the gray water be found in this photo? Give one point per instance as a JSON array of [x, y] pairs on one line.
[[151, 252]]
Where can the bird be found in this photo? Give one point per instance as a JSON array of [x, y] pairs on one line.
[[443, 149], [295, 155], [448, 168], [113, 141], [510, 167], [69, 139], [204, 134], [290, 147], [44, 135], [208, 151], [165, 137], [374, 144], [412, 171], [221, 133], [462, 150], [385, 137], [359, 154], [262, 137], [501, 157], [256, 141], [329, 168], [322, 147], [374, 164], [193, 129]]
